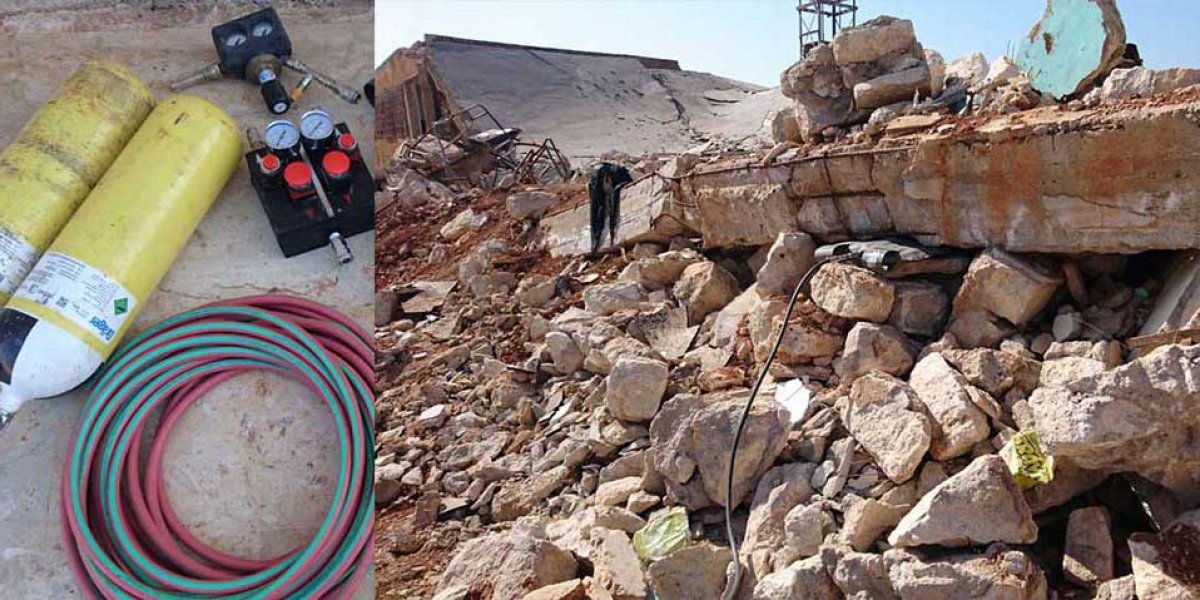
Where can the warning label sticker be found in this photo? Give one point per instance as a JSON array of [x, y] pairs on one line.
[[17, 257], [82, 294]]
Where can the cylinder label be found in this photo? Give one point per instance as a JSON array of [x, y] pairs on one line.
[[17, 257], [80, 293]]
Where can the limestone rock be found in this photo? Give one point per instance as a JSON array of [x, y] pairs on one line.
[[564, 352], [662, 271], [690, 439], [871, 347], [1138, 417], [805, 527], [1121, 588], [608, 298], [519, 498], [535, 291], [874, 40], [385, 307], [971, 68], [802, 341], [980, 504], [937, 71], [617, 567], [859, 575], [530, 204], [1006, 285], [697, 571], [995, 371], [462, 224], [822, 98], [703, 288], [617, 491], [635, 388], [1088, 557], [1001, 71], [512, 562], [852, 292], [866, 520], [884, 417], [919, 308], [787, 260], [573, 589], [802, 580], [784, 125], [958, 423], [1061, 371], [1162, 570], [779, 491], [1007, 575], [892, 87]]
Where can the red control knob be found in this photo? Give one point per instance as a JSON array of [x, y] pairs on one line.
[[336, 164], [347, 142], [269, 164], [298, 177]]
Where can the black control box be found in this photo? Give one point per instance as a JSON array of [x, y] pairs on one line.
[[299, 217], [242, 39]]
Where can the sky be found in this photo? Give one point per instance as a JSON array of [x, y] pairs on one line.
[[754, 40]]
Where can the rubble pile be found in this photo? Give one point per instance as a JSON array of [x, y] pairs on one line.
[[546, 419], [998, 399]]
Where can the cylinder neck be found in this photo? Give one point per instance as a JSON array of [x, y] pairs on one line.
[[10, 402]]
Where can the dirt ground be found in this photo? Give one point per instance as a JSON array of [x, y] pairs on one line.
[[251, 467]]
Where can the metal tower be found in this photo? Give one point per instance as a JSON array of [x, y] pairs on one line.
[[820, 20]]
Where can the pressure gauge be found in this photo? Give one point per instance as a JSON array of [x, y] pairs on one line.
[[262, 29], [317, 128], [281, 135], [235, 39]]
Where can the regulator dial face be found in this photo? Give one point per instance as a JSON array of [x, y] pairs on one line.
[[262, 29], [316, 124], [281, 135], [235, 39]]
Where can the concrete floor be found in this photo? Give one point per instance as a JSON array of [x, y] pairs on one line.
[[252, 466]]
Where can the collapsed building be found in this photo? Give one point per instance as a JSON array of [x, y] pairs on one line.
[[997, 399]]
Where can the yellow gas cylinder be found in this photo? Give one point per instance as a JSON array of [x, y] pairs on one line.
[[54, 161], [73, 307]]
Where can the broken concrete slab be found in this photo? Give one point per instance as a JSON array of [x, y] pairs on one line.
[[1025, 183], [648, 214], [1140, 82], [1074, 44]]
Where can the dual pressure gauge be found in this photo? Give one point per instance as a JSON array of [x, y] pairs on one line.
[[316, 132]]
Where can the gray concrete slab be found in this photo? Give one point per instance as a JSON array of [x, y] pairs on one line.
[[252, 466]]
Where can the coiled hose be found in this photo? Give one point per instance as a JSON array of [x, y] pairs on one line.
[[122, 536]]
